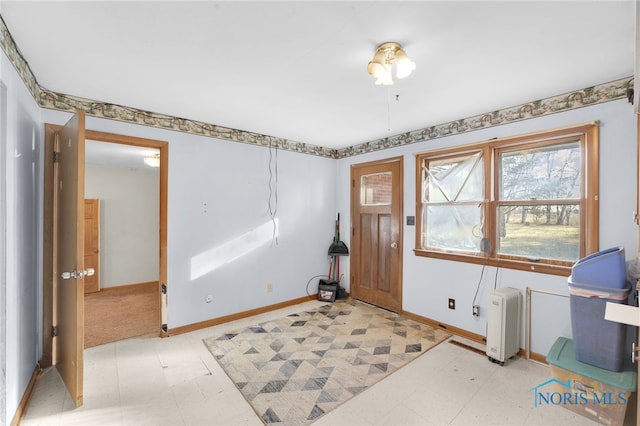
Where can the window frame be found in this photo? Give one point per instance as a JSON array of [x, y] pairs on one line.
[[587, 134]]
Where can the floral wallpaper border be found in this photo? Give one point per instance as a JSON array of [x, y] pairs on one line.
[[47, 99], [581, 98]]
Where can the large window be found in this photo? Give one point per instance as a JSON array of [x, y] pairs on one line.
[[527, 202]]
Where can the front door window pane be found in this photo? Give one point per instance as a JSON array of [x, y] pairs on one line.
[[375, 189]]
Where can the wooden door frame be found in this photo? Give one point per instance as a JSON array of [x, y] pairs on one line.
[[49, 255], [95, 228], [354, 198], [49, 229]]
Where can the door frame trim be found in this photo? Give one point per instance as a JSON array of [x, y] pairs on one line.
[[95, 266], [48, 292], [354, 196]]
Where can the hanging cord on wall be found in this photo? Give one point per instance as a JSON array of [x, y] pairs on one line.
[[495, 282], [273, 190], [479, 282]]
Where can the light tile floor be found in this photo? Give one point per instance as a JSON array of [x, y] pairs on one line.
[[176, 381]]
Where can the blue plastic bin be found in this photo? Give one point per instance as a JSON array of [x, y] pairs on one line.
[[596, 341], [605, 268]]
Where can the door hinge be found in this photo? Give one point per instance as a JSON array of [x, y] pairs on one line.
[[54, 331], [56, 157], [164, 289]]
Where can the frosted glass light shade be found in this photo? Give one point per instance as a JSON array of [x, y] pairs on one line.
[[404, 65], [387, 56]]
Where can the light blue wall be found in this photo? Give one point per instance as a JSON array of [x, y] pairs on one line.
[[233, 181], [20, 239], [429, 283]]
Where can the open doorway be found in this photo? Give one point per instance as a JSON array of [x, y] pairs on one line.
[[122, 226], [124, 293]]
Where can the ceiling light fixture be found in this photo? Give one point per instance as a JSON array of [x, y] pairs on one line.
[[387, 55], [152, 160]]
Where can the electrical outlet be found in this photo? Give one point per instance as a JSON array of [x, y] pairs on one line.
[[269, 287], [476, 310], [452, 303]]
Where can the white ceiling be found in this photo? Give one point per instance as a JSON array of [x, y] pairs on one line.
[[297, 70]]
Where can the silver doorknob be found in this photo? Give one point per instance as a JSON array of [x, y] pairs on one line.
[[72, 274], [394, 245], [78, 274]]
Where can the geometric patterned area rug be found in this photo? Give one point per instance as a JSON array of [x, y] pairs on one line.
[[295, 369]]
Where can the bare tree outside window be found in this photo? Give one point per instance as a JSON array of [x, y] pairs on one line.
[[545, 184]]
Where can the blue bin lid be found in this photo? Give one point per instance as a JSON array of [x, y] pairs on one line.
[[606, 268], [599, 254], [563, 355]]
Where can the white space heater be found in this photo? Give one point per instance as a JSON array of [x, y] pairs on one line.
[[503, 324]]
